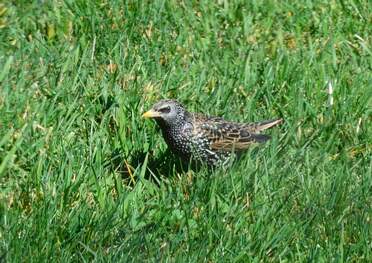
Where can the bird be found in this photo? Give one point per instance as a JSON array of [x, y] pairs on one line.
[[208, 139]]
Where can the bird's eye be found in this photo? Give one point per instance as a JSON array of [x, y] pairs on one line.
[[165, 109]]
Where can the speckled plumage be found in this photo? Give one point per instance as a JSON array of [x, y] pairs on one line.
[[211, 140]]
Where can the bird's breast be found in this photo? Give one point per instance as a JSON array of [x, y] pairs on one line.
[[178, 140]]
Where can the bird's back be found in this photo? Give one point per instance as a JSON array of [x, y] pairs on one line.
[[230, 136]]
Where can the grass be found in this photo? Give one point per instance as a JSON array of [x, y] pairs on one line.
[[84, 178]]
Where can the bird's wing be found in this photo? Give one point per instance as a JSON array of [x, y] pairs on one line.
[[227, 136]]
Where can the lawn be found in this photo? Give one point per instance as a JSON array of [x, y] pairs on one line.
[[84, 178]]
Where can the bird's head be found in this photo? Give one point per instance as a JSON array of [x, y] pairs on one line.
[[167, 112]]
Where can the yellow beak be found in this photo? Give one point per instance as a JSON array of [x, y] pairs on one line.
[[150, 114]]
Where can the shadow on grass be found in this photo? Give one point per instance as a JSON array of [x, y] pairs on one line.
[[163, 165]]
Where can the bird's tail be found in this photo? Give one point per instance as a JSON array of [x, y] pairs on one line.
[[263, 125], [261, 137]]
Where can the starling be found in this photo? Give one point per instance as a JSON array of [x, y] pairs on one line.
[[210, 140]]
